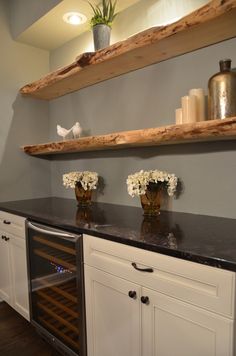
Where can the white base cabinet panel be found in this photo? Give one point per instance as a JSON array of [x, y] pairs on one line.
[[5, 279], [172, 314], [113, 318], [13, 264], [173, 328], [20, 298]]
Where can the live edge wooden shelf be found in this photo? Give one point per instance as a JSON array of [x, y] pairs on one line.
[[214, 130], [210, 24]]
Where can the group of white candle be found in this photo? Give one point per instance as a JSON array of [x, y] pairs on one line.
[[193, 107]]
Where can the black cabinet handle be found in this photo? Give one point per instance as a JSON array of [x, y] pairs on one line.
[[149, 270], [145, 300], [5, 238], [6, 222], [132, 294]]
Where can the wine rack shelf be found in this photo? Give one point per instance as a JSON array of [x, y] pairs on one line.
[[57, 314], [66, 290], [59, 329], [55, 291], [56, 257], [57, 307], [59, 301], [55, 245]]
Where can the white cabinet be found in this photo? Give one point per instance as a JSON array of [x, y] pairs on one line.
[[20, 297], [113, 318], [171, 327], [13, 265], [181, 308], [5, 279]]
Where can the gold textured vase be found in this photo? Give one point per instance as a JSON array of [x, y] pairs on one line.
[[151, 200], [222, 92], [83, 196]]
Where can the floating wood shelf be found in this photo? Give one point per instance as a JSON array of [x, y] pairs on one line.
[[210, 24], [214, 130]]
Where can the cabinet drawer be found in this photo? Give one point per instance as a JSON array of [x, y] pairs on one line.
[[12, 223], [204, 286]]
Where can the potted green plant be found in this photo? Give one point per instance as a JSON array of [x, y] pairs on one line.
[[103, 17]]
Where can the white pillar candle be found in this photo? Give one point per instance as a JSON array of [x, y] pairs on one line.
[[201, 109], [178, 116], [189, 109]]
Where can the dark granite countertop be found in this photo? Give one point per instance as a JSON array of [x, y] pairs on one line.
[[198, 238]]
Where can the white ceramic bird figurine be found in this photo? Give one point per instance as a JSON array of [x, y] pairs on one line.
[[61, 131], [77, 130]]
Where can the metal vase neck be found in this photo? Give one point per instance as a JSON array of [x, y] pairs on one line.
[[225, 65]]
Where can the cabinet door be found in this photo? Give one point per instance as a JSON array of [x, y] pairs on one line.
[[172, 327], [20, 296], [5, 278], [113, 318]]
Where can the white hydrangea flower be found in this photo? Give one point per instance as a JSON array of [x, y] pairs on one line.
[[87, 179], [137, 183]]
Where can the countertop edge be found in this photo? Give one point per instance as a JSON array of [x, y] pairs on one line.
[[188, 256]]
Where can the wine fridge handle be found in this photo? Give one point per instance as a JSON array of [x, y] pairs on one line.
[[49, 232]]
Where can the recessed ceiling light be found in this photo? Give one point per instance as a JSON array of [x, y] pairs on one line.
[[74, 18]]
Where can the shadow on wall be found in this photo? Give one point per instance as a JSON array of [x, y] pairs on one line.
[[21, 176], [150, 152], [199, 167]]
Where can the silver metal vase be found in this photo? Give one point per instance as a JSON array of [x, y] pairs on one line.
[[222, 92], [101, 36]]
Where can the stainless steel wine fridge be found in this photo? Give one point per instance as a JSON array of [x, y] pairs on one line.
[[56, 287]]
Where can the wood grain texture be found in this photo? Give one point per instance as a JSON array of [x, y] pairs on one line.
[[18, 337], [210, 24], [213, 130]]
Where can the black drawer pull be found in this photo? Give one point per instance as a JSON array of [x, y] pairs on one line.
[[149, 270], [6, 222], [145, 300], [5, 238], [132, 294]]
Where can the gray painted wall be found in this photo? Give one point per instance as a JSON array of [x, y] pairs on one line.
[[145, 98], [23, 13], [22, 120], [148, 98]]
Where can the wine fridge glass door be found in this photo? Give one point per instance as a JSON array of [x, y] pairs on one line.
[[55, 277]]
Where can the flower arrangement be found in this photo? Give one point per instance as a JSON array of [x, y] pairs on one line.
[[138, 182], [88, 180], [104, 15]]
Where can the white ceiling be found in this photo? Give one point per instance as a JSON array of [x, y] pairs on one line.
[[50, 31]]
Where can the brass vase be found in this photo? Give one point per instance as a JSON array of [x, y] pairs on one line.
[[83, 196], [222, 92], [151, 200]]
